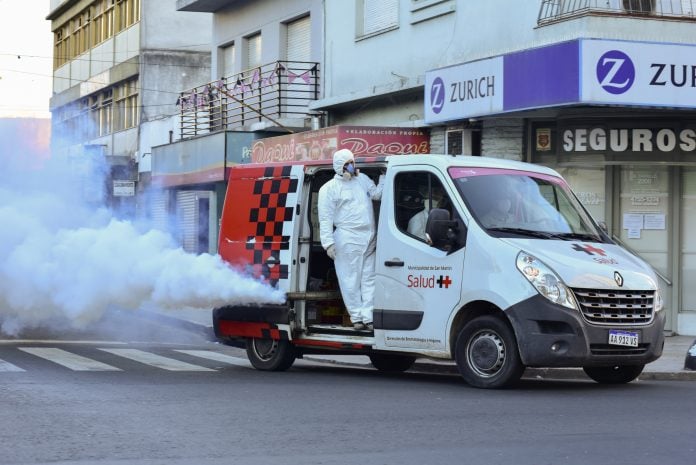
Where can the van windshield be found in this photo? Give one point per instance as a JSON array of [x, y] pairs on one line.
[[521, 203]]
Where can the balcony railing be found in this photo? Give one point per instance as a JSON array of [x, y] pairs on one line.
[[557, 10], [274, 92]]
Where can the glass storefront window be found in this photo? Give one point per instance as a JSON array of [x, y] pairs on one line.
[[688, 239], [644, 213], [589, 186]]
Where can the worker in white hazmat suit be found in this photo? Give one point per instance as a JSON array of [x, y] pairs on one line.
[[345, 203]]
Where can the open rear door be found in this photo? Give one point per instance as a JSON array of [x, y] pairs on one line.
[[259, 221]]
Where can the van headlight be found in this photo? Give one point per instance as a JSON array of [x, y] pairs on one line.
[[545, 281]]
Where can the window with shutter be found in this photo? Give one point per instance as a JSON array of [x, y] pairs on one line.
[[253, 51], [379, 15], [299, 40], [227, 66]]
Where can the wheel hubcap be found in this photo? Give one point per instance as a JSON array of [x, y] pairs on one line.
[[486, 353], [264, 348]]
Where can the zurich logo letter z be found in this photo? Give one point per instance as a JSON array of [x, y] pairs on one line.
[[615, 72], [437, 95]]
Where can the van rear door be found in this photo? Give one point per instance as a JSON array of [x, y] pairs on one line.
[[259, 221]]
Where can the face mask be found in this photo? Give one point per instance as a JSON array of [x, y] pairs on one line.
[[351, 168]]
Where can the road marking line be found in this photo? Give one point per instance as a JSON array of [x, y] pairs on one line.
[[156, 360], [217, 356], [7, 366], [68, 359]]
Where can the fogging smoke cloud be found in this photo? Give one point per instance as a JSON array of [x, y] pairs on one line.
[[65, 260]]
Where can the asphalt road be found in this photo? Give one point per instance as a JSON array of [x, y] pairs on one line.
[[147, 412]]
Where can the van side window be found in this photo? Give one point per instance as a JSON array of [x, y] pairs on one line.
[[416, 193]]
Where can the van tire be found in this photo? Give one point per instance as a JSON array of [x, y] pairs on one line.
[[618, 374], [486, 353], [392, 363], [270, 354]]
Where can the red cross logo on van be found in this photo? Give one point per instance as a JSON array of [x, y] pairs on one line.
[[444, 282], [589, 250]]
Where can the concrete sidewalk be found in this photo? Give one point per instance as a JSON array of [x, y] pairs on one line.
[[668, 367]]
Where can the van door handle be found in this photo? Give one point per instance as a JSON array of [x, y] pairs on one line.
[[394, 262]]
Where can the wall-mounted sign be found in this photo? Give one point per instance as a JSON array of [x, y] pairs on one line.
[[321, 144], [465, 90], [576, 72], [124, 188], [627, 140], [543, 139], [638, 73]]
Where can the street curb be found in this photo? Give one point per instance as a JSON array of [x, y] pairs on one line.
[[423, 367], [530, 373]]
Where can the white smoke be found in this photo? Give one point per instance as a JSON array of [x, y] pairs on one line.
[[63, 260]]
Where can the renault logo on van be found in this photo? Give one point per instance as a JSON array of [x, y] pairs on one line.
[[615, 72], [618, 278]]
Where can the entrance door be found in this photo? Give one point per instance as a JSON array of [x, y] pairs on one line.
[[644, 219], [197, 221], [688, 246]]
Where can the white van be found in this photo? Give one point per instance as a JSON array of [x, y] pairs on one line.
[[513, 273]]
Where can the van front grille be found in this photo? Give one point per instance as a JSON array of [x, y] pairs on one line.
[[606, 349], [615, 307]]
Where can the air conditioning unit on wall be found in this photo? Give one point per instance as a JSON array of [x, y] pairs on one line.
[[455, 142], [462, 141]]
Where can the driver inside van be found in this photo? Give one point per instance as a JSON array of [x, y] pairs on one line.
[[500, 214], [436, 199]]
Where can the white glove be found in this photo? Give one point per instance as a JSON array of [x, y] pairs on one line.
[[331, 252]]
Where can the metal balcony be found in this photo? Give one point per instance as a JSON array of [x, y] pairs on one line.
[[274, 93], [559, 10]]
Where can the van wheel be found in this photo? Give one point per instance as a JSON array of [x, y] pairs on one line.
[[391, 362], [270, 355], [619, 374], [486, 353]]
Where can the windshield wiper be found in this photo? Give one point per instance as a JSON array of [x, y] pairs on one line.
[[579, 236], [526, 232]]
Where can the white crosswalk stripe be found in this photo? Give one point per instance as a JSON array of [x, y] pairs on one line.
[[7, 366], [155, 360], [217, 356], [68, 359]]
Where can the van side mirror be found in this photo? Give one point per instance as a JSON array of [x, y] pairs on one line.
[[441, 229], [603, 226]]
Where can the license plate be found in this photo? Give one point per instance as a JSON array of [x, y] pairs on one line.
[[623, 338]]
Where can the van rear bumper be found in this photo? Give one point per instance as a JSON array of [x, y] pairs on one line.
[[242, 322], [550, 335]]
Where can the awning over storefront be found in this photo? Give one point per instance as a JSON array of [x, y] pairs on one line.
[[321, 144], [204, 159], [578, 72], [200, 160]]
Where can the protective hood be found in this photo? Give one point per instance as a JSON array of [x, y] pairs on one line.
[[591, 265], [339, 160]]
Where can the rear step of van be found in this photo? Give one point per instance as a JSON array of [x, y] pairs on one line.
[[338, 329]]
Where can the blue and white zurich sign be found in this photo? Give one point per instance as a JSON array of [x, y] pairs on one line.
[[615, 72], [437, 95]]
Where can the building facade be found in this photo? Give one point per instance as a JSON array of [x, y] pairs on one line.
[[265, 69], [602, 91], [117, 72]]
